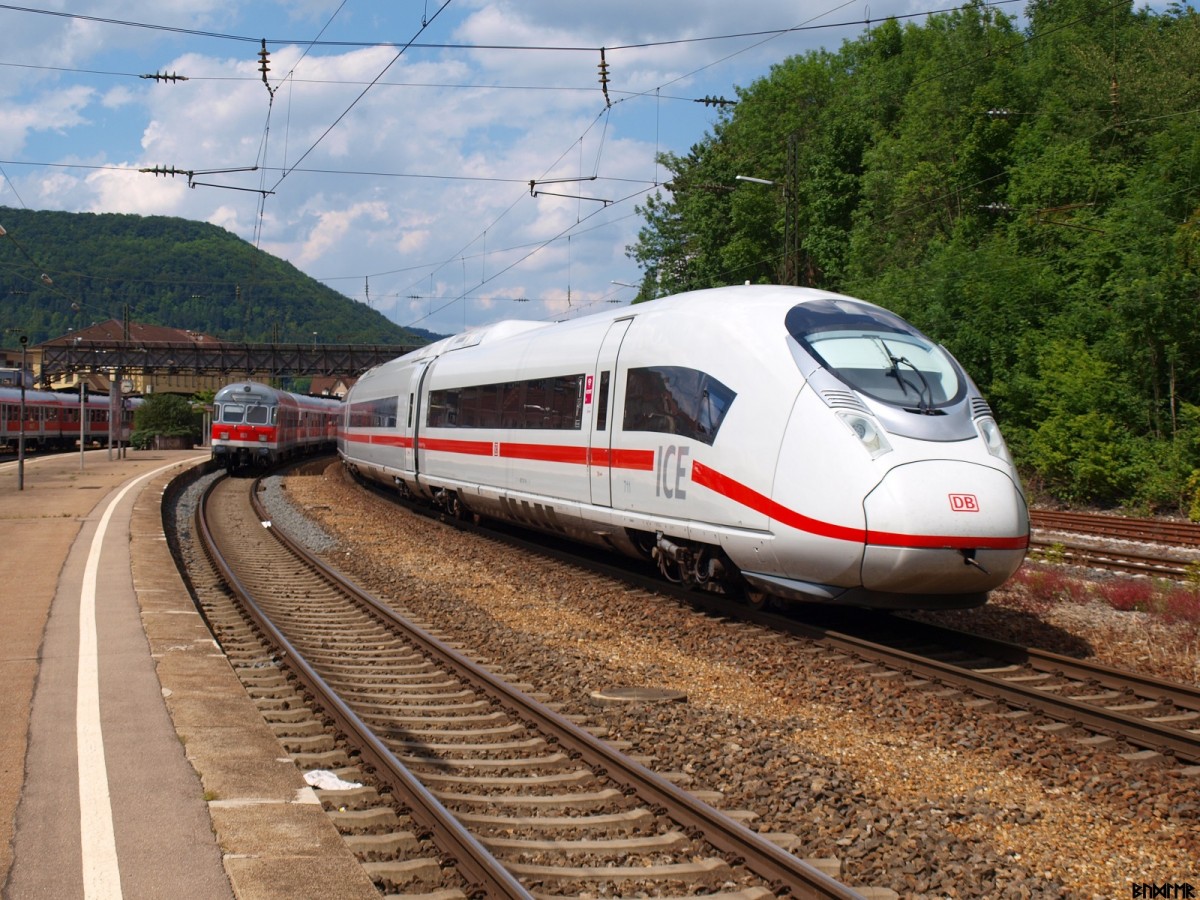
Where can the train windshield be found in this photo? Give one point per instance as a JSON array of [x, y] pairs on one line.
[[232, 413], [236, 413], [877, 353]]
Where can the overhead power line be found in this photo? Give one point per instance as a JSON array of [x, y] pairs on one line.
[[216, 35]]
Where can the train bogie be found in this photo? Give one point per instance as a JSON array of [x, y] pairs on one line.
[[791, 441]]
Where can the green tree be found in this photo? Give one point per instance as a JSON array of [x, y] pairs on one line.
[[1077, 445], [168, 271], [1031, 200], [166, 415]]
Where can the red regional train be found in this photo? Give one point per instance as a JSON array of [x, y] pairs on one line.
[[255, 425], [52, 420], [780, 441]]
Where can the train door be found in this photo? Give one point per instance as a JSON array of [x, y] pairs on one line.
[[413, 410], [603, 390]]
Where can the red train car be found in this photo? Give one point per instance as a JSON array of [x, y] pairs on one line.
[[52, 421], [255, 425]]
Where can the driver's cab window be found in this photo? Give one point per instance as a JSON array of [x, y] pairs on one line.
[[232, 413]]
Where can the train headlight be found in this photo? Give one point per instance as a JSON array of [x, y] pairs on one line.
[[992, 439], [262, 438], [224, 436], [865, 429]]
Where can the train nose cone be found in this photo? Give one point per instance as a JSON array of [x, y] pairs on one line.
[[944, 527]]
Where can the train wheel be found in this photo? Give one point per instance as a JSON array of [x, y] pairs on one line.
[[458, 510], [760, 600]]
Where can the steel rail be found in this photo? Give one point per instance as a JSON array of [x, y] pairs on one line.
[[1146, 530], [1147, 687], [1113, 560], [1144, 733]]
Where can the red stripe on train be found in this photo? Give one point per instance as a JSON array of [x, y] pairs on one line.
[[740, 493]]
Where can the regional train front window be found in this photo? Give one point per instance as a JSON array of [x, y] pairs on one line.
[[232, 413], [257, 415], [877, 353]]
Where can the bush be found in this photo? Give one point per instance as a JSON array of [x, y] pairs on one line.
[[1128, 595], [1182, 604]]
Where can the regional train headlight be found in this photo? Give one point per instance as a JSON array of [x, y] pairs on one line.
[[992, 439], [262, 438], [865, 429]]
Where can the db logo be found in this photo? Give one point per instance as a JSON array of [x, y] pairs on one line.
[[964, 503]]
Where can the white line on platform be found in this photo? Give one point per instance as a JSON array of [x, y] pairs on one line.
[[101, 875]]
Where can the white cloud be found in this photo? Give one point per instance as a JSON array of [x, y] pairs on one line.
[[128, 191], [420, 188]]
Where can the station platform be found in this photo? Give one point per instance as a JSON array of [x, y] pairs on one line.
[[132, 762]]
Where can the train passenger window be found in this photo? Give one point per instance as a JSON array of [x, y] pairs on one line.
[[676, 400], [878, 353], [512, 402], [379, 413], [545, 403], [443, 409], [602, 403], [479, 406]]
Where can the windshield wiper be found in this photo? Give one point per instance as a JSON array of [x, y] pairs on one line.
[[893, 365], [922, 404]]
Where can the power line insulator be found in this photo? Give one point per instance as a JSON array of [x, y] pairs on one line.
[[166, 171], [603, 67], [264, 56]]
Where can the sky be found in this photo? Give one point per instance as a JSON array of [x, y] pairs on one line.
[[389, 150]]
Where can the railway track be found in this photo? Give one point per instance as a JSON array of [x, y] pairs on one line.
[[1131, 546], [1144, 719], [469, 784], [1113, 559], [1157, 531]]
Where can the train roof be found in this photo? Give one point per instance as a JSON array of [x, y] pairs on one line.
[[719, 303], [264, 392], [473, 337], [52, 398]]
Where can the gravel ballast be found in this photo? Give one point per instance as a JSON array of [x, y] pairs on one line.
[[924, 794]]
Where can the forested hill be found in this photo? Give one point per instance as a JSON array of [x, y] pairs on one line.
[[168, 271], [1027, 196]]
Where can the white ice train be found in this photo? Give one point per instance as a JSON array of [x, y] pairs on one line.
[[783, 441]]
